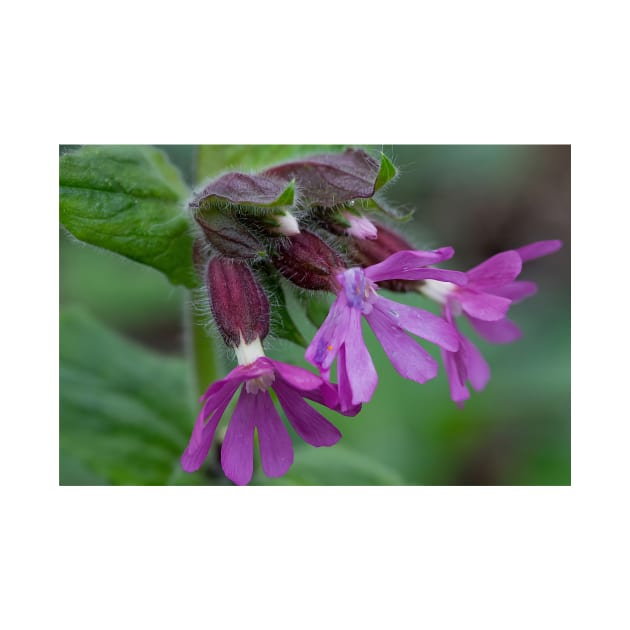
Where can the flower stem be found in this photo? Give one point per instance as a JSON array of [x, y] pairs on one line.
[[201, 352]]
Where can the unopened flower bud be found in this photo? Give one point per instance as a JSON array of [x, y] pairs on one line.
[[334, 178], [359, 226], [228, 235], [238, 302], [309, 262]]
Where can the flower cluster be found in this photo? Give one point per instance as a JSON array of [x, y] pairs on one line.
[[307, 221]]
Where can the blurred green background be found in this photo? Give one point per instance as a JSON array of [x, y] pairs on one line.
[[126, 411]]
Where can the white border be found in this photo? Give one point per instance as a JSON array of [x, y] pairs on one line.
[[547, 72]]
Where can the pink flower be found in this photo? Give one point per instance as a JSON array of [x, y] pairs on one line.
[[340, 336], [241, 311], [490, 289], [255, 410]]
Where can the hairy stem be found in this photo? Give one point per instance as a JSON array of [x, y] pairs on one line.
[[201, 352]]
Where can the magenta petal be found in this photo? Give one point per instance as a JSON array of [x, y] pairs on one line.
[[322, 351], [345, 388], [500, 331], [237, 452], [422, 323], [328, 395], [310, 425], [482, 305], [359, 368], [406, 262], [517, 290], [495, 272], [313, 387], [407, 356], [538, 249], [206, 425], [276, 450], [297, 377], [238, 375], [477, 368], [431, 273], [459, 391]]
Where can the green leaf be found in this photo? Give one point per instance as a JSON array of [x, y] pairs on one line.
[[125, 416], [287, 197], [386, 172], [213, 160], [282, 324], [333, 466], [128, 199]]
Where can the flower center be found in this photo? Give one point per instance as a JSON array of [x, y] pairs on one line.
[[248, 353], [261, 383], [437, 290], [359, 291]]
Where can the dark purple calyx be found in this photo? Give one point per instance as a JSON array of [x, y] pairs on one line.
[[228, 236], [238, 302], [239, 191], [307, 261], [336, 178]]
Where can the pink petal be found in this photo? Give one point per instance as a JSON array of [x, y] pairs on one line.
[[495, 272], [517, 290], [538, 249], [408, 357], [431, 273], [482, 305], [310, 425], [237, 452], [276, 450], [206, 424], [314, 387], [477, 367], [297, 377], [359, 369], [500, 331], [237, 375], [328, 395], [322, 351], [406, 262], [419, 322], [345, 388], [459, 391]]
